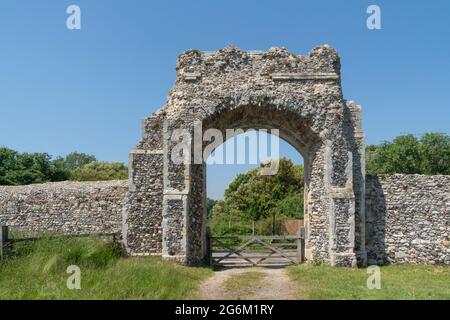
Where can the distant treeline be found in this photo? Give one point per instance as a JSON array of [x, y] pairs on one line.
[[26, 168], [429, 154]]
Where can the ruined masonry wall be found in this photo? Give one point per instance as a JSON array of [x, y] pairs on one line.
[[408, 219], [407, 216], [64, 207]]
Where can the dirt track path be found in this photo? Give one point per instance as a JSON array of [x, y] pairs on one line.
[[275, 285]]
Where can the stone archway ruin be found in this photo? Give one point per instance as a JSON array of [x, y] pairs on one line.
[[164, 212]]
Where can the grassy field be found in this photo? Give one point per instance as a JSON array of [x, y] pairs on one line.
[[397, 282], [37, 270]]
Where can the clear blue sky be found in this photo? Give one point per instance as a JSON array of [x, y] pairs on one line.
[[87, 90]]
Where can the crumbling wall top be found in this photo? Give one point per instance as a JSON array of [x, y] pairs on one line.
[[322, 61]]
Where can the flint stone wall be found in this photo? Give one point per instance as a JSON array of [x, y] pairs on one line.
[[408, 219], [407, 216], [64, 207]]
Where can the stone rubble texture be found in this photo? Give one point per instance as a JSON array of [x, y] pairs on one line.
[[301, 96], [64, 207], [407, 216], [162, 211], [408, 219]]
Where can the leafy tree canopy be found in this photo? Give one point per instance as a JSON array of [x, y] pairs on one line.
[[27, 168], [74, 160], [254, 197], [407, 154], [96, 171], [210, 203]]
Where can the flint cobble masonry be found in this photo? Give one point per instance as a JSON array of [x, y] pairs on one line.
[[408, 219], [235, 89], [64, 207], [407, 216], [162, 210]]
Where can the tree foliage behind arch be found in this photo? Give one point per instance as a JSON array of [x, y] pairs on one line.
[[252, 197], [27, 168], [408, 154]]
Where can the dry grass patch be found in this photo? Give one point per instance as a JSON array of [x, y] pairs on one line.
[[243, 285]]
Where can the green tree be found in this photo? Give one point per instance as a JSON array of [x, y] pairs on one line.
[[24, 168], [408, 155], [435, 153], [96, 171], [27, 168], [210, 203], [291, 206], [8, 161], [74, 160], [252, 197]]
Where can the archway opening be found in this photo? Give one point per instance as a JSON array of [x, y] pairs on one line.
[[257, 182], [255, 186], [280, 133]]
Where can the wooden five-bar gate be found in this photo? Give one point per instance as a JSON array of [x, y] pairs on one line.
[[257, 250]]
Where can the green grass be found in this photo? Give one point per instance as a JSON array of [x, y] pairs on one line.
[[397, 282], [37, 270]]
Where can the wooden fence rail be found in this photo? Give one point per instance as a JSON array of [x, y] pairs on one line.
[[6, 241]]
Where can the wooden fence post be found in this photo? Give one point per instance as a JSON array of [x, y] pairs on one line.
[[3, 240], [208, 246], [301, 245]]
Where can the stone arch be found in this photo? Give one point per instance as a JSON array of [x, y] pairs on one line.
[[299, 95], [292, 127]]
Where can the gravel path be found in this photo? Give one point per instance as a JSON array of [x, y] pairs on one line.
[[276, 285]]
